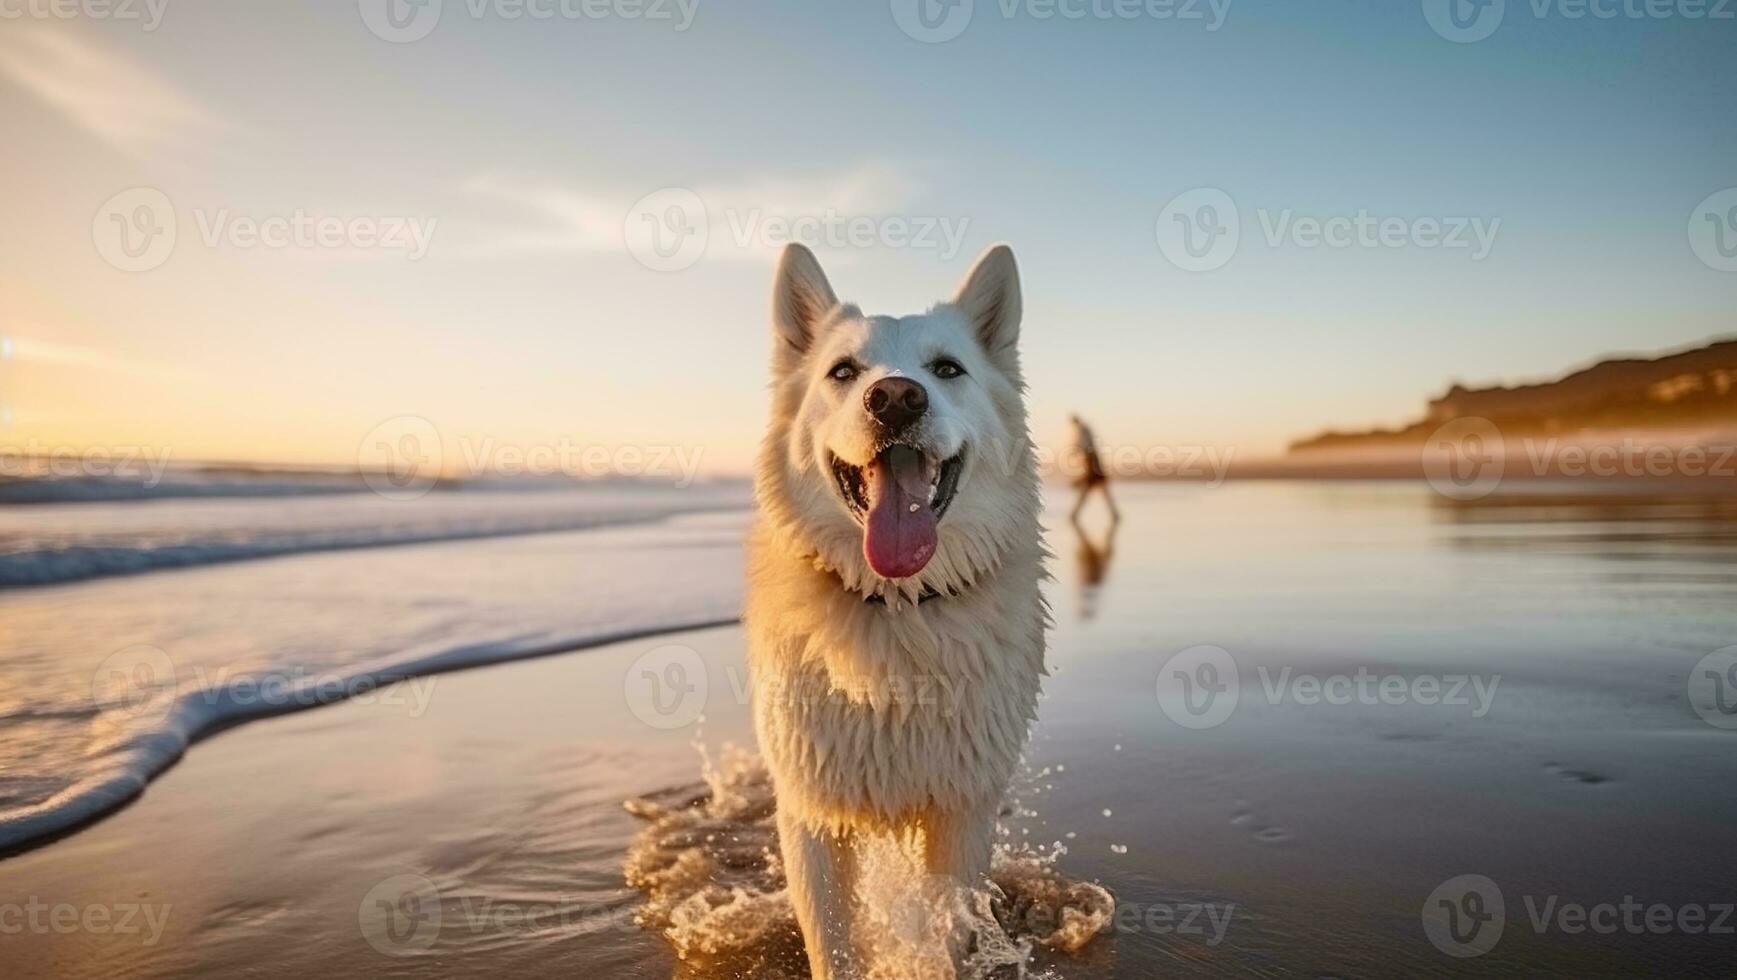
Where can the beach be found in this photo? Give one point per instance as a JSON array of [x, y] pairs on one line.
[[1412, 690]]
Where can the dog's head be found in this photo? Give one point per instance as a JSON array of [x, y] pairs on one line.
[[898, 451]]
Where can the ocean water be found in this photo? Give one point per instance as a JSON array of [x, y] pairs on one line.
[[1294, 729], [129, 629], [53, 540]]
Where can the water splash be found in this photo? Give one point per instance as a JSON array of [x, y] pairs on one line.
[[714, 888]]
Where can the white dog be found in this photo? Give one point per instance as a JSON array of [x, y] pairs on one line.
[[895, 622]]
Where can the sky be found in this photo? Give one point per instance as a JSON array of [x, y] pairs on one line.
[[260, 232]]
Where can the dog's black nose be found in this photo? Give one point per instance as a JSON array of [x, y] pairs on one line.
[[896, 402]]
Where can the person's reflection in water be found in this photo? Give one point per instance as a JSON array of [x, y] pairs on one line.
[[1094, 564]]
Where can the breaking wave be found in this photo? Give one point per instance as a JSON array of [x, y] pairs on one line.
[[53, 544]]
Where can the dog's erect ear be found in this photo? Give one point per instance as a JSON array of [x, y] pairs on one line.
[[801, 301], [990, 299]]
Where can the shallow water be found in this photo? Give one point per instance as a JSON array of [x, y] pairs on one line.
[[1287, 836], [103, 683]]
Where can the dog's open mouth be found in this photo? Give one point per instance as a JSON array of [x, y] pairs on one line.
[[899, 498]]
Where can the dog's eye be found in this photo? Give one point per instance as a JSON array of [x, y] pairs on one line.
[[946, 369], [843, 371]]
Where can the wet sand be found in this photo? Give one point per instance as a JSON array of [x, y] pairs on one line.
[[1296, 837]]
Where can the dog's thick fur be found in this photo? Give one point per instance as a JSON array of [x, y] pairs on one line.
[[892, 705]]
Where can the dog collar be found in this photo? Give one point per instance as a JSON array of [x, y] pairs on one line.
[[929, 592]]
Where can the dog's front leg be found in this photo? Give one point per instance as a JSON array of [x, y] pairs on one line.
[[821, 870], [957, 843]]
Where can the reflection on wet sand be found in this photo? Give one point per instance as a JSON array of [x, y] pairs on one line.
[[1695, 527], [1093, 557]]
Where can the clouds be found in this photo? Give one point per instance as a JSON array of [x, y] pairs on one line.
[[101, 91], [544, 217], [531, 217], [28, 351]]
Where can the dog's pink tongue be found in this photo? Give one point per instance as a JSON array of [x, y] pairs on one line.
[[900, 538]]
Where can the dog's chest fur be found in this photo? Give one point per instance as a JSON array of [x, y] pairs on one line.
[[871, 712]]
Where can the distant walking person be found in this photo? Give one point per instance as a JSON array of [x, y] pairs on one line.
[[1091, 470]]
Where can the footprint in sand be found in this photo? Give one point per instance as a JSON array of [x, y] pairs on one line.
[[1243, 815], [1583, 776]]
